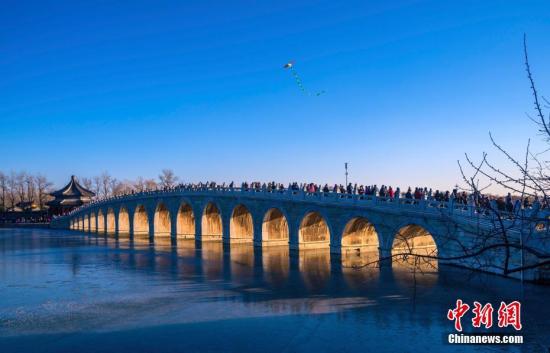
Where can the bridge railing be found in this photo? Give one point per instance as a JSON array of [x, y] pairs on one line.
[[421, 205]]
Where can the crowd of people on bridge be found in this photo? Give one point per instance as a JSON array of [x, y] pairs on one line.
[[508, 204]]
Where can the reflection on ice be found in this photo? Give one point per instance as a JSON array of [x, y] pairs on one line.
[[276, 265], [314, 267]]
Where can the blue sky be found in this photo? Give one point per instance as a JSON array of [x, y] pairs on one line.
[[134, 87]]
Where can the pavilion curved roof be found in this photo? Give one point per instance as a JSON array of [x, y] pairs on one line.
[[72, 189]]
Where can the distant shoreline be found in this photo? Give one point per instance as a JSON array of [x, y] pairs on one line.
[[25, 225]]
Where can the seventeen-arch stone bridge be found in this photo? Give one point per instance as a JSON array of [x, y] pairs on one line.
[[343, 223]]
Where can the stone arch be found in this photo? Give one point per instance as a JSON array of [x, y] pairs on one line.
[[359, 233], [100, 222], [241, 225], [314, 231], [411, 240], [162, 221], [275, 227], [359, 243], [86, 223], [211, 222], [141, 221], [93, 222], [123, 221], [110, 221], [185, 226]]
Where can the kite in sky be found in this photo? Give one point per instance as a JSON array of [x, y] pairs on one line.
[[290, 66]]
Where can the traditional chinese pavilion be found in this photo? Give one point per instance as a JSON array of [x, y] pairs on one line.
[[69, 197]]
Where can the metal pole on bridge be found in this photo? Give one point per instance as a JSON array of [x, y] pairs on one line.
[[346, 167]]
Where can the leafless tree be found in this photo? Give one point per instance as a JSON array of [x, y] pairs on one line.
[[505, 235], [43, 186], [139, 184], [167, 178], [150, 184], [106, 180], [96, 188], [122, 187], [25, 188], [12, 189], [88, 184], [3, 191], [113, 185], [30, 183], [20, 185]]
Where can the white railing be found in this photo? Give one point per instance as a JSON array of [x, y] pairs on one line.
[[298, 195]]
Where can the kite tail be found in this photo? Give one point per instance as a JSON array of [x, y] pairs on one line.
[[301, 85], [298, 80]]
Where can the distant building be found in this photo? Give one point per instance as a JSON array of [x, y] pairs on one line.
[[25, 206], [69, 197]]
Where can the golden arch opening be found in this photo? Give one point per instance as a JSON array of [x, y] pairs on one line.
[[314, 231], [360, 234], [275, 228], [359, 243], [162, 221], [414, 246], [93, 222], [86, 223], [110, 221], [100, 222], [123, 222], [185, 227], [141, 221], [211, 223], [241, 226]]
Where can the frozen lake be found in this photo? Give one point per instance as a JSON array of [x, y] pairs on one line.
[[64, 291]]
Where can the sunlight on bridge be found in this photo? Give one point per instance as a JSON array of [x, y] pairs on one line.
[[186, 222], [211, 223], [93, 222], [275, 228], [141, 222], [162, 222], [100, 222], [354, 259], [110, 221], [86, 223], [360, 234], [414, 240], [241, 227], [314, 231], [162, 242], [123, 222], [359, 244]]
